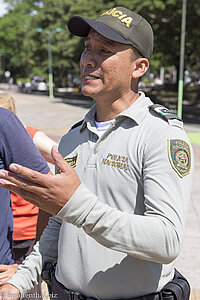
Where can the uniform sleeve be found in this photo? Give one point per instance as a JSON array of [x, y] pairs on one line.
[[46, 250], [18, 147], [155, 236]]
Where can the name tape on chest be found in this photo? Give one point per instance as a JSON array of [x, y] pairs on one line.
[[116, 161], [164, 112]]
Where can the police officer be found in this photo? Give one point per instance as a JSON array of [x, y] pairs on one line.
[[123, 182]]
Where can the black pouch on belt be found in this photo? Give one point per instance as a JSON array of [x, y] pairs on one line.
[[48, 273], [178, 288]]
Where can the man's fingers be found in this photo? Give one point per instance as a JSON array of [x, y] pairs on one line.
[[3, 268], [11, 181], [59, 160], [3, 276], [14, 179], [30, 196], [27, 173]]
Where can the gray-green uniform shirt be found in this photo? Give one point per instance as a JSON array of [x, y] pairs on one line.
[[119, 234]]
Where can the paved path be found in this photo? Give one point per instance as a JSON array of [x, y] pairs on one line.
[[51, 116], [55, 118]]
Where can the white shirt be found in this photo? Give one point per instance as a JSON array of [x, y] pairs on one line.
[[102, 126]]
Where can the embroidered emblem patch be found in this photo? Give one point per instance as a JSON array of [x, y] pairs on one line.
[[180, 156], [72, 160], [164, 112]]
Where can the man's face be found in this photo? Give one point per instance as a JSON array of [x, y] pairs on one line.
[[106, 68]]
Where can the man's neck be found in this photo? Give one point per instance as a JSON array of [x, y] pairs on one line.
[[108, 111]]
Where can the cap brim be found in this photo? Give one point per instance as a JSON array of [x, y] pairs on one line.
[[80, 26]]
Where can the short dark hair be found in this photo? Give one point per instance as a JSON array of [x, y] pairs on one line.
[[135, 53]]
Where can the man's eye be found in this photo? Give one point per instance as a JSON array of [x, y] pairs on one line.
[[105, 51]]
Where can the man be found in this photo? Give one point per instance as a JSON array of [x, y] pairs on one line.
[[121, 209]]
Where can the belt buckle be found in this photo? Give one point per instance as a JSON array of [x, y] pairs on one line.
[[76, 296]]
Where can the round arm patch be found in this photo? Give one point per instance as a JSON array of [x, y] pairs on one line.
[[180, 156]]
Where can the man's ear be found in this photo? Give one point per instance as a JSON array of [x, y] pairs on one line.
[[140, 67]]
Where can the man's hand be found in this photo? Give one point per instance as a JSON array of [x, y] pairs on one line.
[[6, 272], [9, 292], [49, 192]]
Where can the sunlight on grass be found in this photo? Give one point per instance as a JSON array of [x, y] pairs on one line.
[[194, 137]]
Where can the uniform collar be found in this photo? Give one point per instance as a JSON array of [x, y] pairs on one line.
[[137, 111]]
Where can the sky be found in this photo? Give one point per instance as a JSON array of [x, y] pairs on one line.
[[2, 8]]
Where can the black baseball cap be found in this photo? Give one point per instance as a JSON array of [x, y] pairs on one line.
[[118, 24]]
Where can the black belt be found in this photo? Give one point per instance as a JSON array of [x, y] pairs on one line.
[[59, 291], [177, 289]]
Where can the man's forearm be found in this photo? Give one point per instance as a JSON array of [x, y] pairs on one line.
[[43, 219]]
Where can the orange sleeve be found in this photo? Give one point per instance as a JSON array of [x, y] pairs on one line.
[[25, 217], [25, 214], [32, 131]]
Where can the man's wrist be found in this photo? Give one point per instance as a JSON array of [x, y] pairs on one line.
[[78, 206]]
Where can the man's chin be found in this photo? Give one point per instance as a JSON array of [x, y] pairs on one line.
[[87, 92]]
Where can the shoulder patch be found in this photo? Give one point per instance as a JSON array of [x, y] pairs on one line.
[[164, 112], [72, 160], [180, 156]]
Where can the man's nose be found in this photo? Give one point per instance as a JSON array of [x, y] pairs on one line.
[[88, 59]]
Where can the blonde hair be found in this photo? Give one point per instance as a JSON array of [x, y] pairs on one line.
[[7, 101]]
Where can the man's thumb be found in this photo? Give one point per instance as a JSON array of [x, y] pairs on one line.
[[62, 165]]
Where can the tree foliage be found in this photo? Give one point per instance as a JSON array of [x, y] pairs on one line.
[[24, 50]]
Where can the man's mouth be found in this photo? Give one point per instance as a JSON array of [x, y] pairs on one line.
[[87, 77]]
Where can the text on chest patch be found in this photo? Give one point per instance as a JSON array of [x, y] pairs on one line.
[[116, 161]]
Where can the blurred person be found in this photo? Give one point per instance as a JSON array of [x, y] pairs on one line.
[[28, 87], [40, 139], [123, 181], [15, 145], [25, 214], [10, 82]]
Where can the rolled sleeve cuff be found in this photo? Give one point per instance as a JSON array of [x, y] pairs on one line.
[[78, 207]]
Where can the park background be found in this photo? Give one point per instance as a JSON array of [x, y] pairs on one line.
[[34, 40], [32, 30]]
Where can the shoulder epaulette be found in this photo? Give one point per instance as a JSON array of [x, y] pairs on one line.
[[77, 124], [164, 112]]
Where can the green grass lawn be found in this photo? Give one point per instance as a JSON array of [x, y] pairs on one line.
[[194, 137]]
